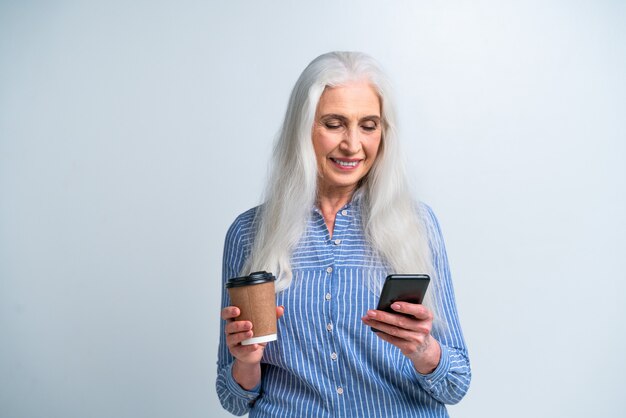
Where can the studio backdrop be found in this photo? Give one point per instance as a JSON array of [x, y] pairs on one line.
[[132, 133]]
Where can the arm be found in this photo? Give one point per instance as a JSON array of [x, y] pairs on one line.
[[233, 397], [450, 380], [436, 357]]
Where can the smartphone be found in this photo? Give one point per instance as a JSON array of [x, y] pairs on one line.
[[402, 287]]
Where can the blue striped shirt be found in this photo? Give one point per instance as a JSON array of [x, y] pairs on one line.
[[326, 362]]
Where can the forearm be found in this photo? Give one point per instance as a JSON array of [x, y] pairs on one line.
[[231, 393], [426, 361], [248, 376]]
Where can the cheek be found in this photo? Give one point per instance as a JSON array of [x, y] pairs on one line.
[[323, 145], [373, 149], [319, 149]]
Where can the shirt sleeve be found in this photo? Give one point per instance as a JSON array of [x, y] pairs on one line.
[[449, 382], [233, 397]]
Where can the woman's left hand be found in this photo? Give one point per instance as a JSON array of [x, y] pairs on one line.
[[409, 330]]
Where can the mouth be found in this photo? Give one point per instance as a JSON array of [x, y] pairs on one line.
[[346, 163]]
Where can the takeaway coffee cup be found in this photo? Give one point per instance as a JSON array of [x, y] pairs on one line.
[[255, 297]]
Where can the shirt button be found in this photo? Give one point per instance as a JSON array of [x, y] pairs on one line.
[[327, 296], [329, 270], [333, 356], [329, 327], [340, 390], [337, 241], [344, 212]]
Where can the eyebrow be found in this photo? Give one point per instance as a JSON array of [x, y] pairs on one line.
[[343, 118]]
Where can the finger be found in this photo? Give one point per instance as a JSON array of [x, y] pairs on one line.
[[416, 310], [230, 312], [239, 350], [397, 320], [407, 346], [280, 311], [417, 331], [390, 338], [236, 338], [237, 326], [400, 333]]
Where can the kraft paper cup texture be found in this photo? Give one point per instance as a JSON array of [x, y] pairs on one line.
[[257, 303]]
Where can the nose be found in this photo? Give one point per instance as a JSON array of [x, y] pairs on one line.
[[351, 143]]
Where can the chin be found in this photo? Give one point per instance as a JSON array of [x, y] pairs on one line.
[[353, 183]]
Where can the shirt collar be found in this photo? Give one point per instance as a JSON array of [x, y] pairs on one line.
[[352, 205]]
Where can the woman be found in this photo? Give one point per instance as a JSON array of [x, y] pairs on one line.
[[338, 217]]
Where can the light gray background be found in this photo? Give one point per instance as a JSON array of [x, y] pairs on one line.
[[133, 133]]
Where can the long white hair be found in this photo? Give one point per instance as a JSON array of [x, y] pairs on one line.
[[390, 215]]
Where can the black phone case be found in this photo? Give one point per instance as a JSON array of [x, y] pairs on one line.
[[402, 287]]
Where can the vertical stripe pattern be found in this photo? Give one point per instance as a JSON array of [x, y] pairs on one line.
[[326, 362]]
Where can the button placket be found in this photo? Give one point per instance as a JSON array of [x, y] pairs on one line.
[[334, 247]]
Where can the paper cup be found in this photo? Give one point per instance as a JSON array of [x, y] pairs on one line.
[[255, 296]]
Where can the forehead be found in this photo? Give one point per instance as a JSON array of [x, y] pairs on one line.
[[356, 98]]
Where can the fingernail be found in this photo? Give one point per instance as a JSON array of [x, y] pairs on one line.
[[371, 313], [396, 306]]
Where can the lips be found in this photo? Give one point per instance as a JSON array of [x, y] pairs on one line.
[[346, 163]]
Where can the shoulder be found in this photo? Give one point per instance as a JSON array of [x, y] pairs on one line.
[[430, 224], [239, 240], [244, 220], [427, 215], [243, 227]]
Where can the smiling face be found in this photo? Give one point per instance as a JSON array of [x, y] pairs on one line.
[[346, 136]]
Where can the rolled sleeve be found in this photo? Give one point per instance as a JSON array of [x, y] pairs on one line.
[[449, 382], [236, 390], [431, 381], [233, 397]]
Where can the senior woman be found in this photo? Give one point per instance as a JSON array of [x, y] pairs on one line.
[[338, 217]]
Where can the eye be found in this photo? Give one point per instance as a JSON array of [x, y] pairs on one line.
[[332, 124], [369, 126]]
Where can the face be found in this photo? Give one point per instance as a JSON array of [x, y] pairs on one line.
[[346, 136]]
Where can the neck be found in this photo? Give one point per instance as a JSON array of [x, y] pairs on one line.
[[334, 199], [329, 203]]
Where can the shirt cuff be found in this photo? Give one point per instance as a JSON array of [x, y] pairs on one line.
[[430, 381], [238, 391]]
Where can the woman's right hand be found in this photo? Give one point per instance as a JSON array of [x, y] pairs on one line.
[[237, 331]]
